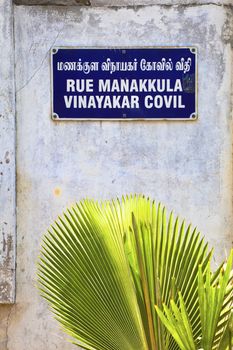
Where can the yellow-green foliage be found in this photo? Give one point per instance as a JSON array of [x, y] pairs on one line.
[[122, 275]]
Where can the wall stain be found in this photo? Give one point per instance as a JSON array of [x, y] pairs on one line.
[[3, 241], [57, 192], [227, 30], [7, 159]]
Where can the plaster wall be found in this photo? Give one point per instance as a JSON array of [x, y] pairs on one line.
[[7, 155], [186, 165], [126, 3]]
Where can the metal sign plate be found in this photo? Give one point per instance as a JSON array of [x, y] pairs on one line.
[[124, 83]]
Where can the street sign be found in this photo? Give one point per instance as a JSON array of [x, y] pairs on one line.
[[124, 83]]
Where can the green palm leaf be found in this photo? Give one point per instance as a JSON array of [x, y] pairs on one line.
[[177, 322], [104, 266], [85, 277], [215, 305], [170, 254]]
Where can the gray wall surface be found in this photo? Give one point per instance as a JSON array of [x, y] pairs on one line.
[[186, 165], [7, 155], [120, 3]]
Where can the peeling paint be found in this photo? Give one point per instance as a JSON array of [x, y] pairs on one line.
[[5, 289]]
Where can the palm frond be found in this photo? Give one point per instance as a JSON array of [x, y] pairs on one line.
[[84, 275], [215, 299], [164, 256], [104, 266], [177, 322], [215, 303]]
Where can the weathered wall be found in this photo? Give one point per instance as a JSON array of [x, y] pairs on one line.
[[120, 3], [188, 166], [7, 155]]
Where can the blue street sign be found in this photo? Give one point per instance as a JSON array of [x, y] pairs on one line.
[[124, 83]]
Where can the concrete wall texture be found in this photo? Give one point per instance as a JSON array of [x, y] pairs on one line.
[[186, 165]]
